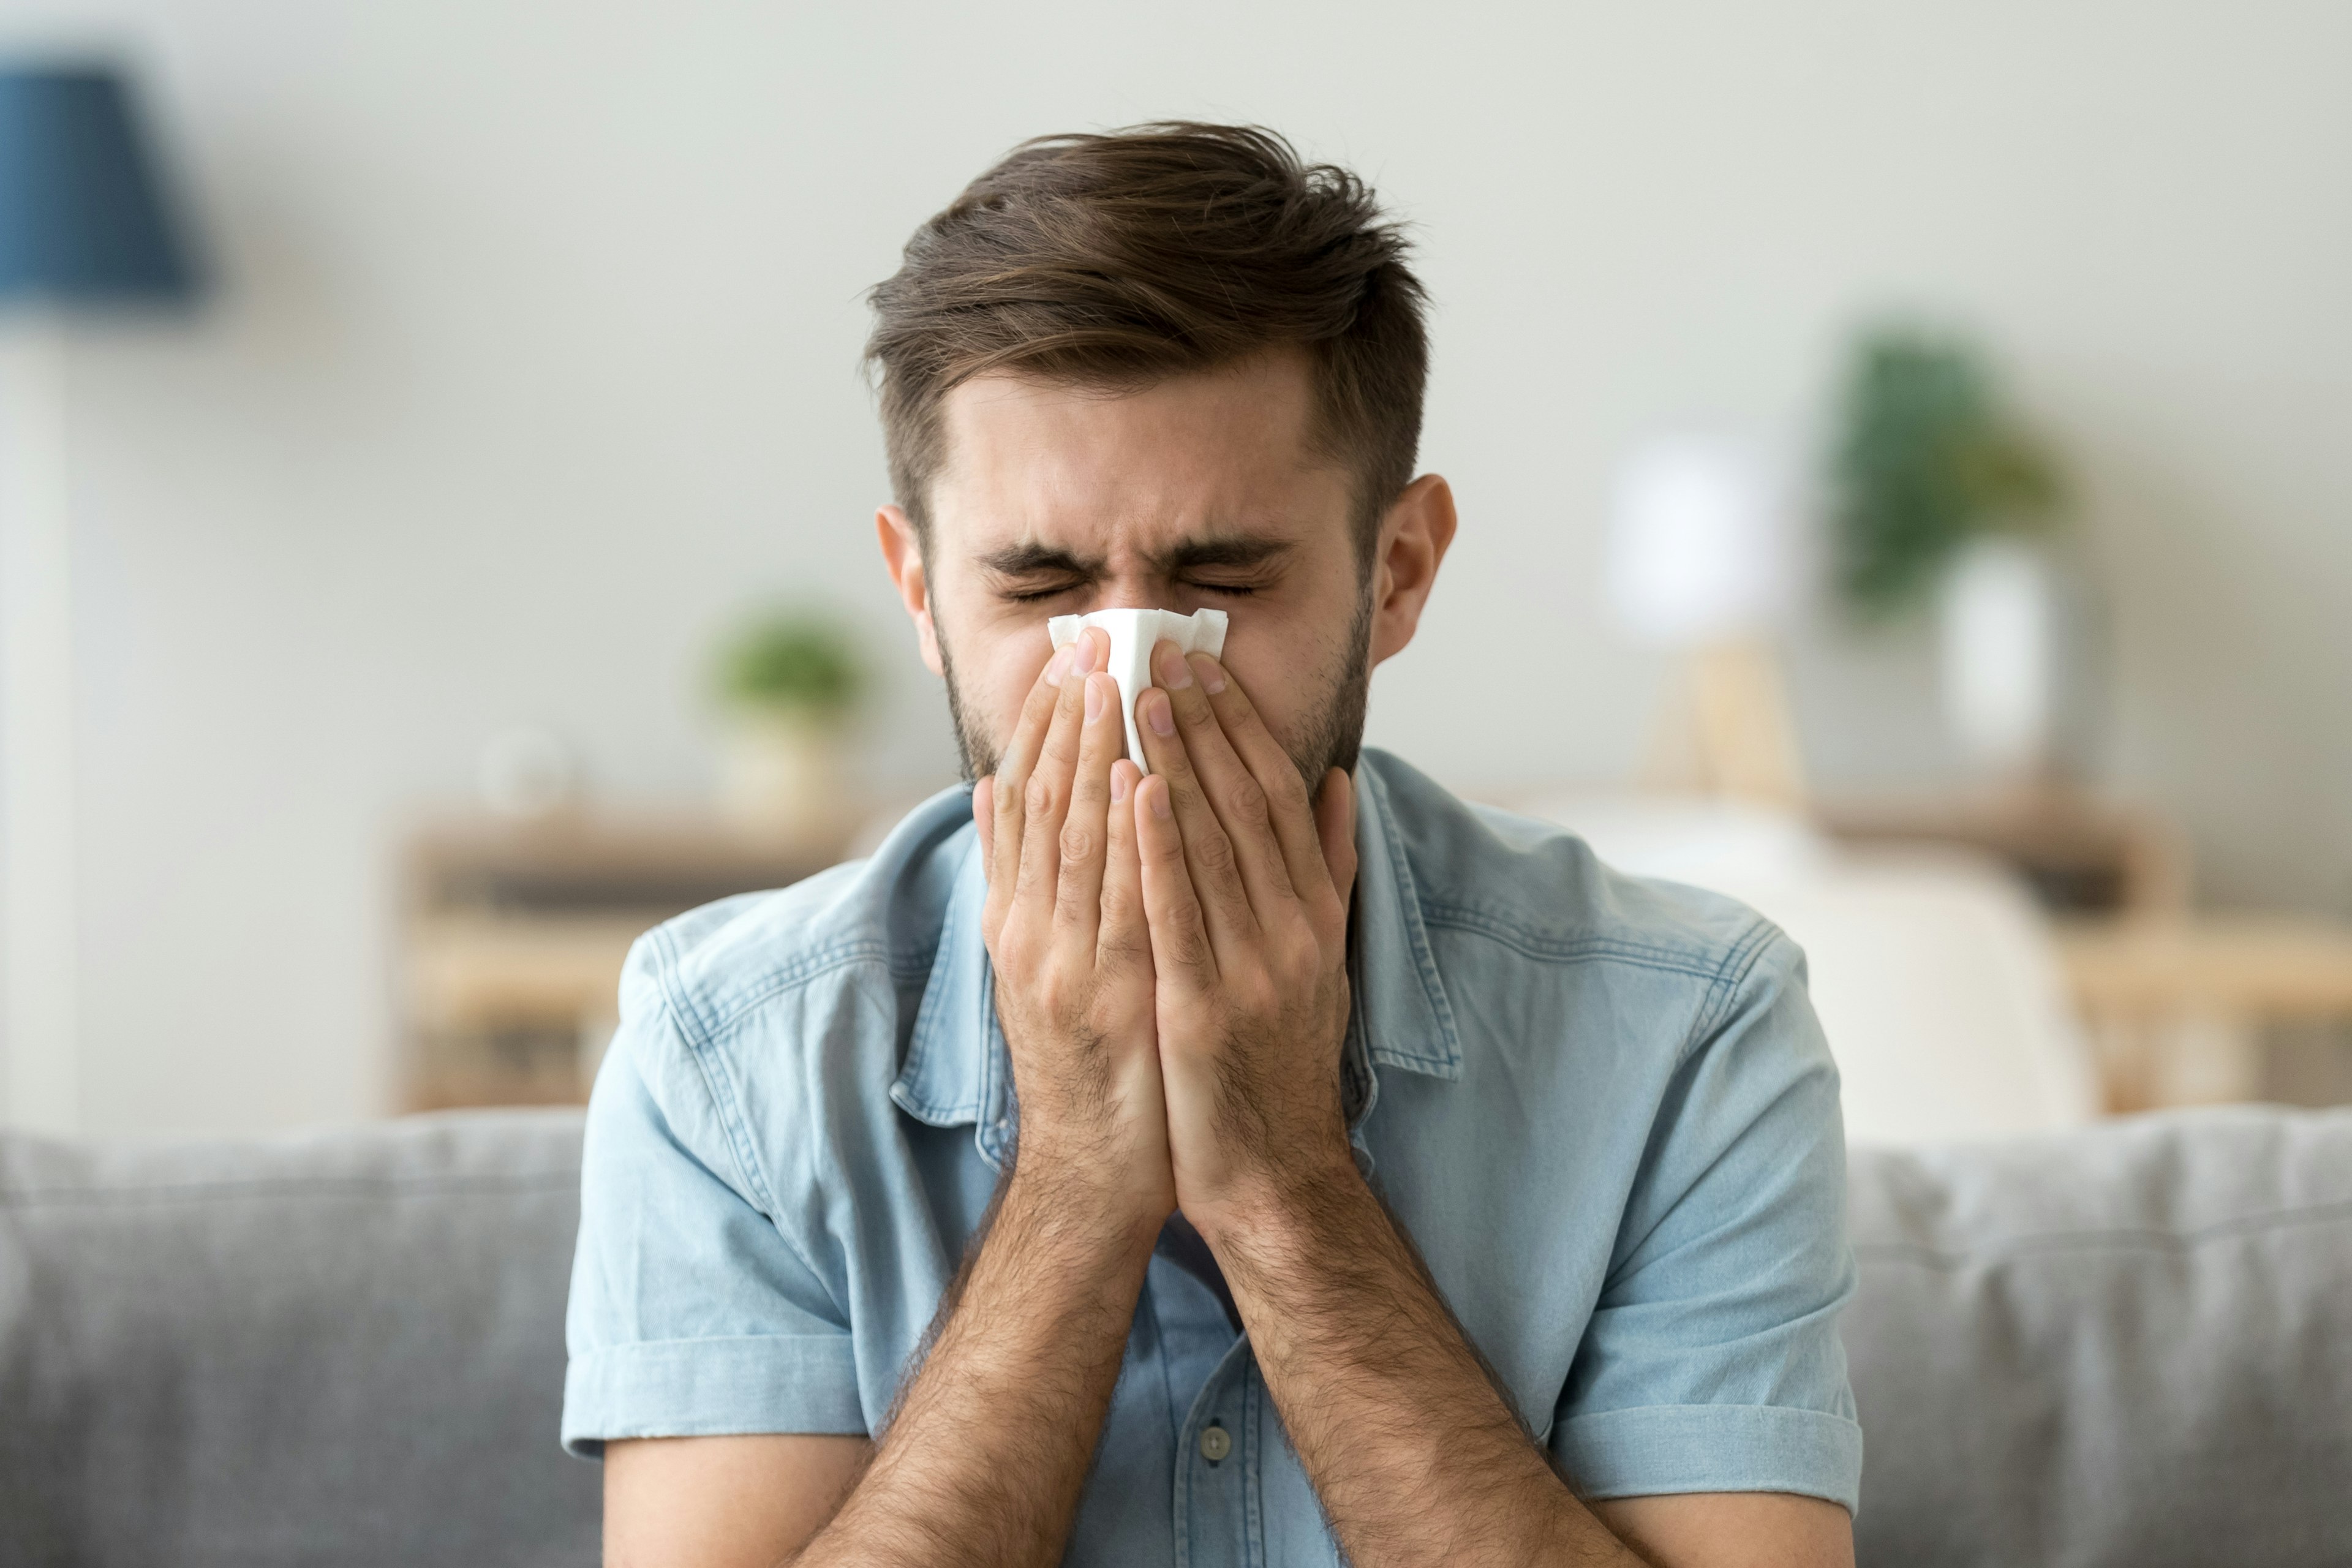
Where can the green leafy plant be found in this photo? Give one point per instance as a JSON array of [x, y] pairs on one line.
[[792, 661], [1926, 460]]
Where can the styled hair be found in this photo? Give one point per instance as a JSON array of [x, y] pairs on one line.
[[1122, 259]]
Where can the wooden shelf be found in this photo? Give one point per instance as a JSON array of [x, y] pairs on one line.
[[2081, 855], [2274, 967], [512, 937]]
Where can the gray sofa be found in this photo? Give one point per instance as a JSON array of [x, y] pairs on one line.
[[2131, 1345]]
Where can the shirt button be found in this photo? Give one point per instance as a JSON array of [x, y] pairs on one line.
[[1215, 1443]]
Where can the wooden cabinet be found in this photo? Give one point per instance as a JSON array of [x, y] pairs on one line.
[[512, 935]]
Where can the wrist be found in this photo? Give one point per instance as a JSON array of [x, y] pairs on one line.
[[1086, 1201], [1280, 1210]]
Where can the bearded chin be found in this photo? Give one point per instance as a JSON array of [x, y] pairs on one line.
[[1330, 737]]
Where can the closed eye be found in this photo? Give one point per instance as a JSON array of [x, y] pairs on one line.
[[1036, 596]]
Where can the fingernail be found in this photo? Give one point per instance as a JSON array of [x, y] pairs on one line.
[[1160, 804], [1162, 716], [1212, 675], [1174, 673], [1117, 785], [1082, 655], [1057, 667], [1094, 700]]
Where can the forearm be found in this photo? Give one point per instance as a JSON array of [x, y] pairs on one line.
[[1416, 1456], [982, 1461]]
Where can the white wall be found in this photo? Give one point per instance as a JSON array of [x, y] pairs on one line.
[[537, 356]]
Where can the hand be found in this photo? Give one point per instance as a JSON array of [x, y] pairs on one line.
[[1245, 888], [1065, 929]]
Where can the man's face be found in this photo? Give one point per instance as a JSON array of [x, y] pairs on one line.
[[1201, 492]]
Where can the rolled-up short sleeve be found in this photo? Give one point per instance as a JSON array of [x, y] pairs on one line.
[[692, 1313], [1712, 1360]]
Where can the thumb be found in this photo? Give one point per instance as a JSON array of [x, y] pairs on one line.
[[984, 816], [1335, 826]]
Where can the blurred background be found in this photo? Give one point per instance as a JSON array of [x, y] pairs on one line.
[[1902, 456]]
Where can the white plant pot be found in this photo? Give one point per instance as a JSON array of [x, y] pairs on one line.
[[2003, 620], [785, 776]]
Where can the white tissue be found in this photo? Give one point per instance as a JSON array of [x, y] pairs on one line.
[[1133, 634]]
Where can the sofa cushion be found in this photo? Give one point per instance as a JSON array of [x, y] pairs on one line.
[[2127, 1345], [2131, 1344], [342, 1347]]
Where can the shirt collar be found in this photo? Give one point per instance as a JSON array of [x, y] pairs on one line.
[[957, 1072]]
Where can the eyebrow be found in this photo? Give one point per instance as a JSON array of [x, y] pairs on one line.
[[1033, 559]]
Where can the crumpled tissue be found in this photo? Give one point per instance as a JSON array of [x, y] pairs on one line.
[[1133, 634]]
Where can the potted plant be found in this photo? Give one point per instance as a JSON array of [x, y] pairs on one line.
[[1940, 496], [789, 681]]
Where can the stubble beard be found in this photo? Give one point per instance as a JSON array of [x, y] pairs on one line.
[[1330, 737]]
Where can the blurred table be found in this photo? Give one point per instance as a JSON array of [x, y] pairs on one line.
[[2080, 853], [513, 936], [2178, 1005]]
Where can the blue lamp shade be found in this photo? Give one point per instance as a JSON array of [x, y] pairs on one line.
[[82, 214]]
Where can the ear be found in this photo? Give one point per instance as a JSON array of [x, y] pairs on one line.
[[1412, 542], [902, 552]]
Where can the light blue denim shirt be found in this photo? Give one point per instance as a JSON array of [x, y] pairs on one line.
[[1601, 1106]]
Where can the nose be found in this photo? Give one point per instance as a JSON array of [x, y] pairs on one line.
[[1135, 588]]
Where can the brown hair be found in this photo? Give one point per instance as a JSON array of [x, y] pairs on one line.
[[1123, 258]]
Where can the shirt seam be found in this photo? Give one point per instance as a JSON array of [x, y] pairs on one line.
[[922, 1038], [1478, 921], [719, 1087], [800, 971], [1730, 977], [1412, 909], [716, 1088]]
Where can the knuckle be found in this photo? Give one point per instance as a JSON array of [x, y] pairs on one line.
[[1216, 852], [1247, 803], [1189, 944], [1037, 795], [1198, 716], [1290, 789], [1078, 841]]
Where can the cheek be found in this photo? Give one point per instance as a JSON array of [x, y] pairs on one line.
[[999, 680], [1279, 683]]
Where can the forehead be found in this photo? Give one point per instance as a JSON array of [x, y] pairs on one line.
[[1223, 450]]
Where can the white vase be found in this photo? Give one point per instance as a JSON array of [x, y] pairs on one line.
[[2003, 614], [783, 774]]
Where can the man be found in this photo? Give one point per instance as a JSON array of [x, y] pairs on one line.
[[1241, 1154]]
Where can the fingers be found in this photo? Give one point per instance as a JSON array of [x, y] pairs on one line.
[[1045, 797], [1335, 830], [1102, 733], [1012, 776], [1290, 810], [1124, 936], [1181, 952], [1214, 856]]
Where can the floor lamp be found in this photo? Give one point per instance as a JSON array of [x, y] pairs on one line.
[[83, 226]]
